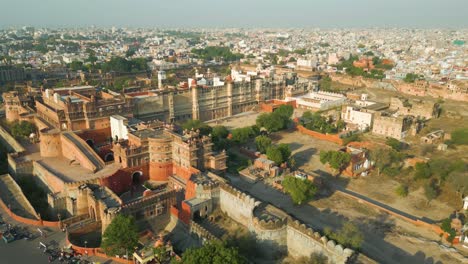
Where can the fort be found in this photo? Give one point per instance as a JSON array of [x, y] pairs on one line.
[[99, 154]]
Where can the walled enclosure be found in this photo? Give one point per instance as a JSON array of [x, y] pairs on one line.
[[298, 238]]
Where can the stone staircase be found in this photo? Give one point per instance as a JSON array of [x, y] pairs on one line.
[[13, 196]]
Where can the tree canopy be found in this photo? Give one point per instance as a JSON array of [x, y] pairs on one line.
[[197, 124], [460, 136], [212, 253], [277, 120], [262, 143], [120, 64], [279, 154], [411, 77], [22, 129], [219, 136], [300, 190], [349, 235], [242, 134], [121, 236], [318, 123], [387, 160], [338, 160], [215, 52], [394, 143]]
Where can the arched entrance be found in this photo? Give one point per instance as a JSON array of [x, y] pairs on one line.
[[90, 143], [109, 157], [136, 177]]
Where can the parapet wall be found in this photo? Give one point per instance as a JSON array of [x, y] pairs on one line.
[[48, 177], [10, 142], [304, 241], [18, 167], [236, 204], [332, 138], [282, 231]]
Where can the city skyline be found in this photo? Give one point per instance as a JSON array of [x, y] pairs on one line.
[[242, 13]]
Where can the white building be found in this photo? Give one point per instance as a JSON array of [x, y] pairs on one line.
[[306, 63], [360, 118], [319, 100], [119, 127]]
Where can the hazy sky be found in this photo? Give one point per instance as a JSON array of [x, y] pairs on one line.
[[236, 13]]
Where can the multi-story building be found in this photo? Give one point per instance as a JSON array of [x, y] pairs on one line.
[[356, 117], [391, 126], [167, 152], [204, 100], [11, 74], [319, 100], [416, 108], [80, 108]]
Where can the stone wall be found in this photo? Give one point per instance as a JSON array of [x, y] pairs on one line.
[[54, 183], [236, 204], [50, 144], [304, 241], [279, 232], [17, 166], [332, 138], [10, 142]]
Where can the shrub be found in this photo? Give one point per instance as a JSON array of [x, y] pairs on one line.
[[402, 190]]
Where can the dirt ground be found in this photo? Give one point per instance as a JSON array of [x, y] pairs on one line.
[[241, 120]]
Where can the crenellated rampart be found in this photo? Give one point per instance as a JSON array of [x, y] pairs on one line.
[[274, 227]]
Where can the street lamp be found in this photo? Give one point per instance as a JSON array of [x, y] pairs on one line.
[[86, 248], [60, 220]]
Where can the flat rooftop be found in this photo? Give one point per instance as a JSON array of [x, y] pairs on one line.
[[65, 169], [149, 133], [83, 87]]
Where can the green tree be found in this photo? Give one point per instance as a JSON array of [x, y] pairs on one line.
[[262, 143], [411, 77], [349, 235], [274, 154], [76, 65], [130, 52], [121, 236], [285, 151], [458, 182], [430, 191], [460, 136], [197, 124], [394, 143], [422, 171], [220, 132], [402, 190], [219, 136], [243, 134], [212, 253], [22, 129], [284, 111], [338, 160], [300, 190], [381, 158], [446, 226], [271, 122], [162, 255]]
